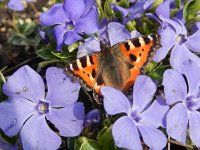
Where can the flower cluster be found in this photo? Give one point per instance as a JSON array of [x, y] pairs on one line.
[[51, 115]]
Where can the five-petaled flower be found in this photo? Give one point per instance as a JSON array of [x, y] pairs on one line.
[[175, 37], [184, 95], [141, 119], [29, 112], [71, 19]]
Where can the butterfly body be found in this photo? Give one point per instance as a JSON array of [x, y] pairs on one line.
[[116, 66]]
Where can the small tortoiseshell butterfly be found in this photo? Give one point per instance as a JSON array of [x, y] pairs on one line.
[[116, 66]]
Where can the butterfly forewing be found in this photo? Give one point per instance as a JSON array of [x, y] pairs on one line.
[[84, 69]]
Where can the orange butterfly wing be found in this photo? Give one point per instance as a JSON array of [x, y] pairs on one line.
[[139, 51]]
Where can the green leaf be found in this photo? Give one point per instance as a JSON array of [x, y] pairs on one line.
[[18, 40], [2, 81], [156, 70], [45, 53], [108, 11], [155, 4], [88, 144], [72, 47], [190, 10], [105, 138]]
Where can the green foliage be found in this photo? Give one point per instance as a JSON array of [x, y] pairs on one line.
[[190, 11], [24, 34], [2, 81]]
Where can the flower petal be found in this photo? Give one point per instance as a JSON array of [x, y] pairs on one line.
[[91, 45], [68, 120], [177, 120], [55, 15], [71, 37], [58, 33], [125, 134], [26, 83], [192, 72], [173, 23], [114, 101], [175, 88], [163, 9], [89, 23], [192, 43], [154, 115], [143, 92], [15, 5], [88, 6], [62, 90], [181, 53], [194, 121], [74, 9], [35, 133], [14, 113], [115, 28], [167, 41], [151, 136]]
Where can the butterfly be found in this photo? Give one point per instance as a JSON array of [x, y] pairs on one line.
[[117, 66]]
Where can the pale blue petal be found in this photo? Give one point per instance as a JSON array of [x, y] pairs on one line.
[[181, 53], [55, 15], [74, 9], [36, 134], [192, 73], [177, 120], [89, 23], [58, 33], [193, 43], [71, 37], [114, 101], [154, 116], [14, 113], [151, 136], [62, 90], [167, 41], [90, 46], [68, 120], [125, 134], [25, 83], [117, 33], [194, 122], [143, 92], [175, 88]]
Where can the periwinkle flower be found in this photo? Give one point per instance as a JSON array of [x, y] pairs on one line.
[[185, 96], [17, 5], [141, 119], [71, 19], [28, 111], [175, 37]]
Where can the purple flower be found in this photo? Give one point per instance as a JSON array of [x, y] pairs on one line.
[[17, 5], [71, 19], [92, 118], [28, 111], [175, 37], [92, 44], [135, 11], [185, 96], [141, 119]]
